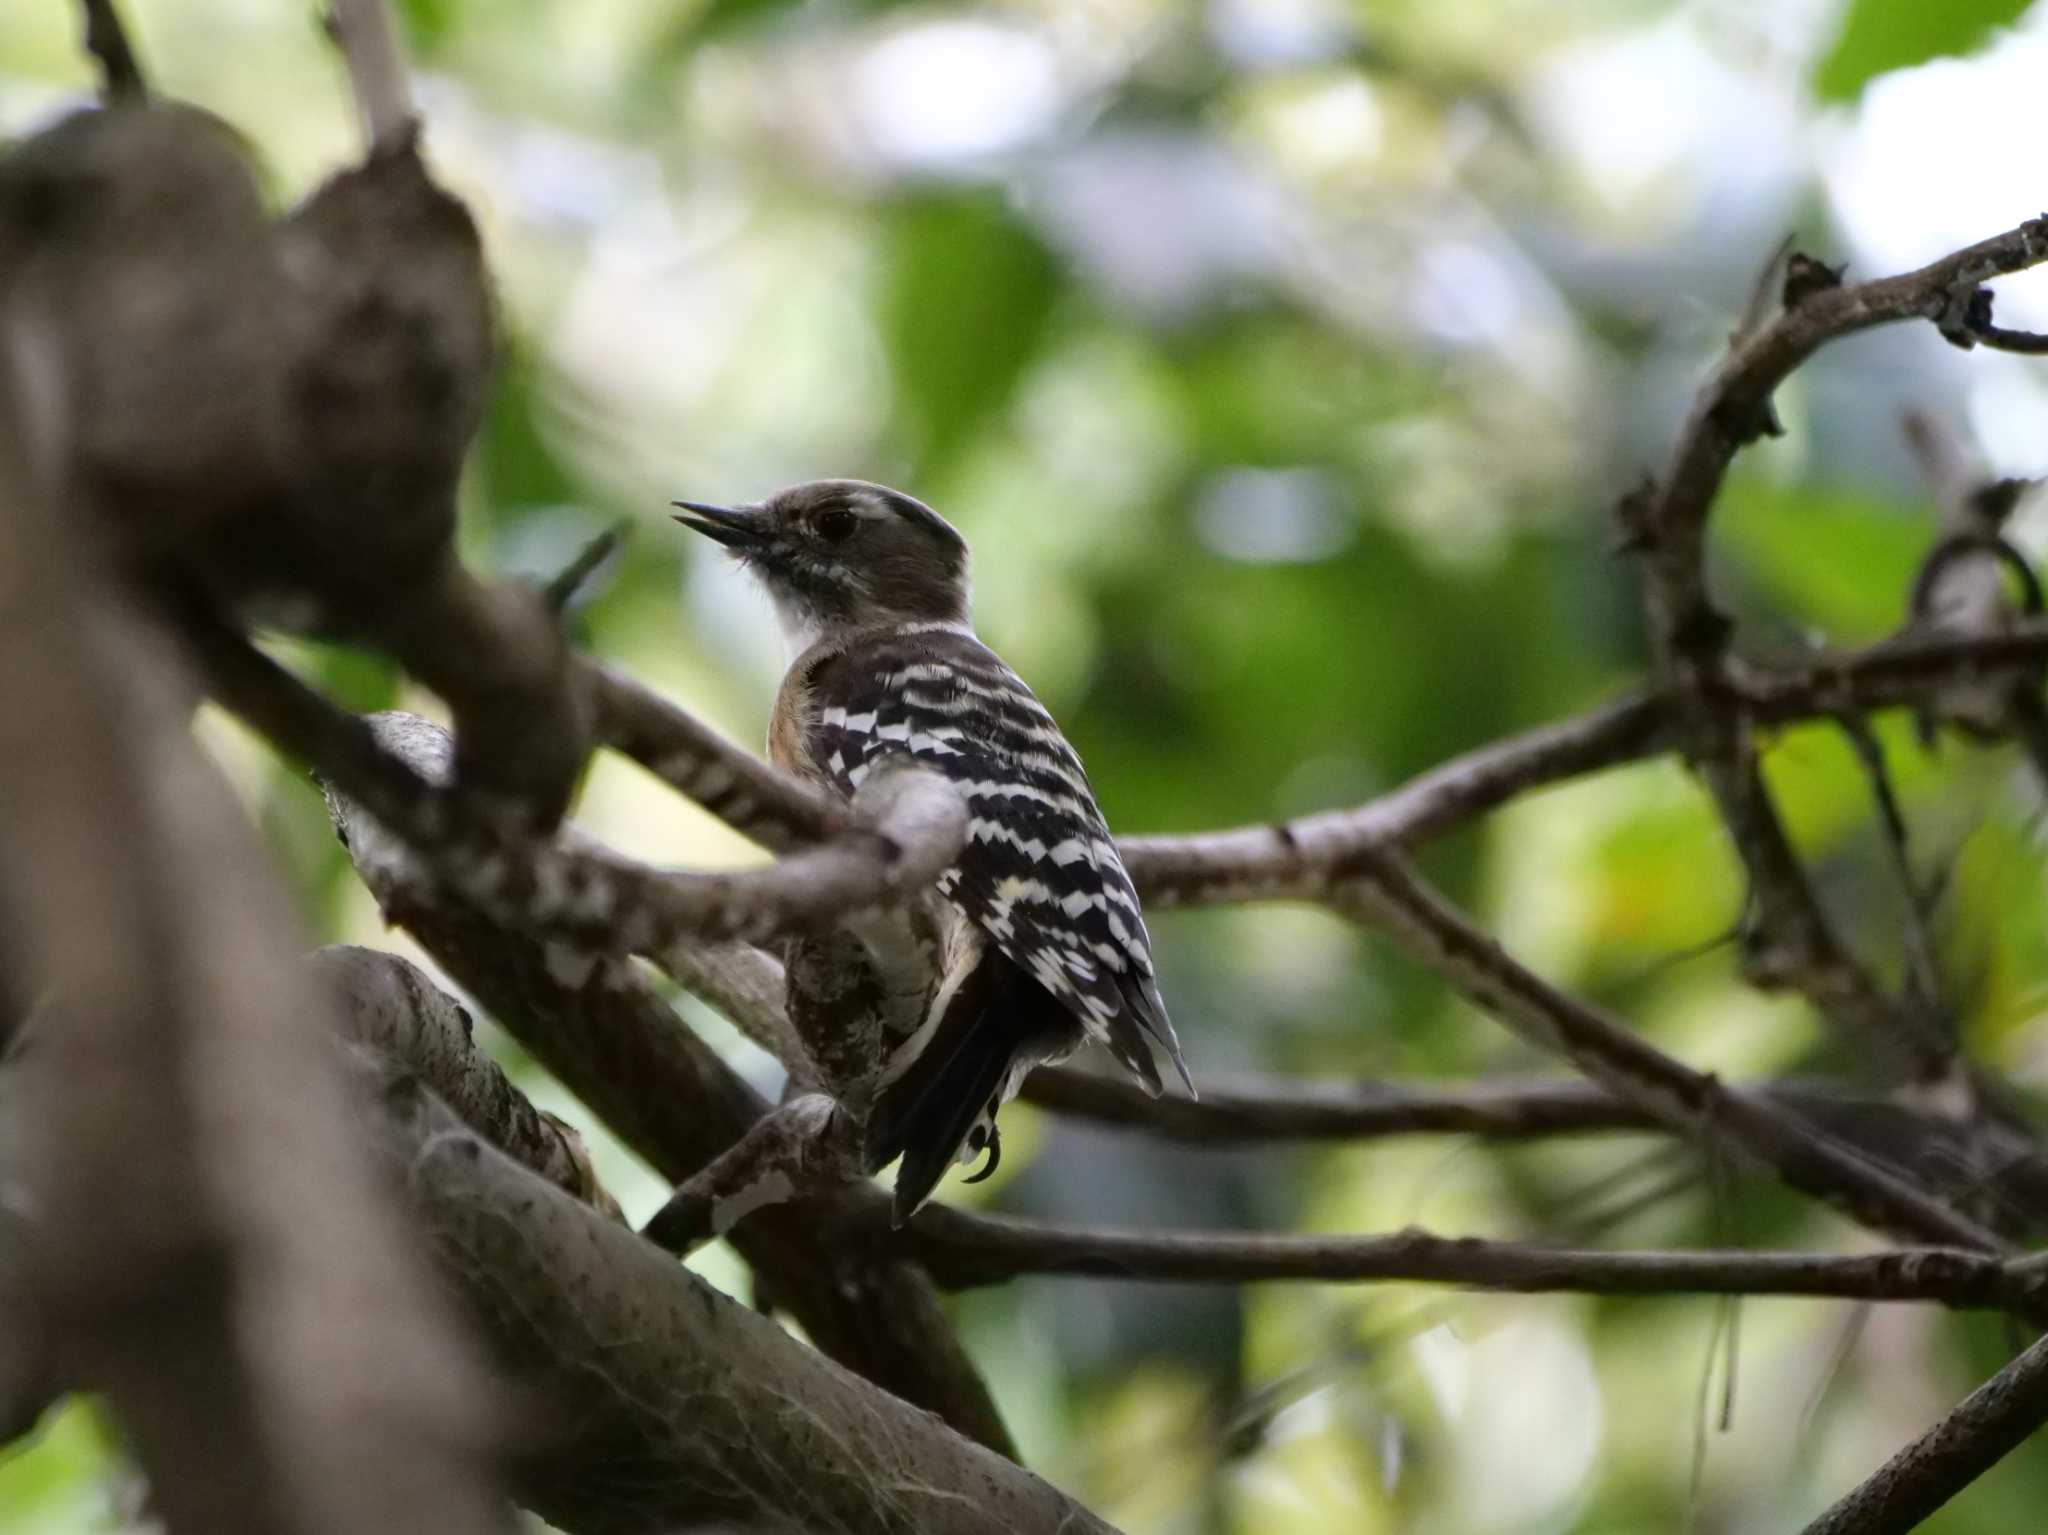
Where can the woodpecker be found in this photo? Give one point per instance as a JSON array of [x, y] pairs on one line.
[[1045, 947]]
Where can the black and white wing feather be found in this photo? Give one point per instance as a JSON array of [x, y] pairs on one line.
[[1039, 875]]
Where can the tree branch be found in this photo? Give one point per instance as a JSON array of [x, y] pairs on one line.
[[659, 1403], [586, 896], [1723, 416], [182, 1121], [1234, 1111], [106, 40], [388, 1005], [1386, 893], [600, 1027], [367, 36], [1254, 1110], [1294, 860], [2003, 1175], [774, 809], [1994, 1419], [1791, 941], [963, 1250]]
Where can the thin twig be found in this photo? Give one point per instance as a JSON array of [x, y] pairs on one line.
[[1746, 378], [1999, 339], [1926, 993], [1259, 1110], [963, 1250], [1968, 323], [564, 587], [107, 41], [1794, 942], [1387, 893], [1293, 860], [367, 36]]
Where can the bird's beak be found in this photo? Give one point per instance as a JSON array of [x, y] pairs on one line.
[[736, 527]]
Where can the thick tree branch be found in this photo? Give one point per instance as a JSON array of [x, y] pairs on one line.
[[388, 1005], [658, 1403], [182, 1123], [271, 428], [603, 1030]]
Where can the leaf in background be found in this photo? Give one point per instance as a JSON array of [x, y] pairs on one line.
[[1835, 560], [1881, 35], [719, 20], [967, 297], [427, 23], [515, 465]]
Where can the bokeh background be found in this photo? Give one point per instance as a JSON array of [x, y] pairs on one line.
[[1282, 360]]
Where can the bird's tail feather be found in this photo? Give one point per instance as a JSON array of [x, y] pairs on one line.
[[1134, 1049], [927, 1113]]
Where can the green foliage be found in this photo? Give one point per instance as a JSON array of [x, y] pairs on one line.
[[1836, 560], [1334, 515], [1882, 35], [965, 303], [427, 23]]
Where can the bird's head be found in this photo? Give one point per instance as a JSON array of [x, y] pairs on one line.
[[841, 555]]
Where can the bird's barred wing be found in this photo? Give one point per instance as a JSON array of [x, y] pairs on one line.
[[1039, 873]]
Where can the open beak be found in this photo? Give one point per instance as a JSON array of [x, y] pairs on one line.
[[736, 527]]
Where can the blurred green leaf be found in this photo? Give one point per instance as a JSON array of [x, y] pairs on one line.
[[515, 463], [427, 22], [968, 294], [717, 20], [54, 1479], [1882, 35], [1832, 559]]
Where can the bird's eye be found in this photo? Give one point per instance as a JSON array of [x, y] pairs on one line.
[[836, 524]]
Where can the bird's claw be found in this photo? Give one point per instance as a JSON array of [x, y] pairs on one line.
[[988, 1139]]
